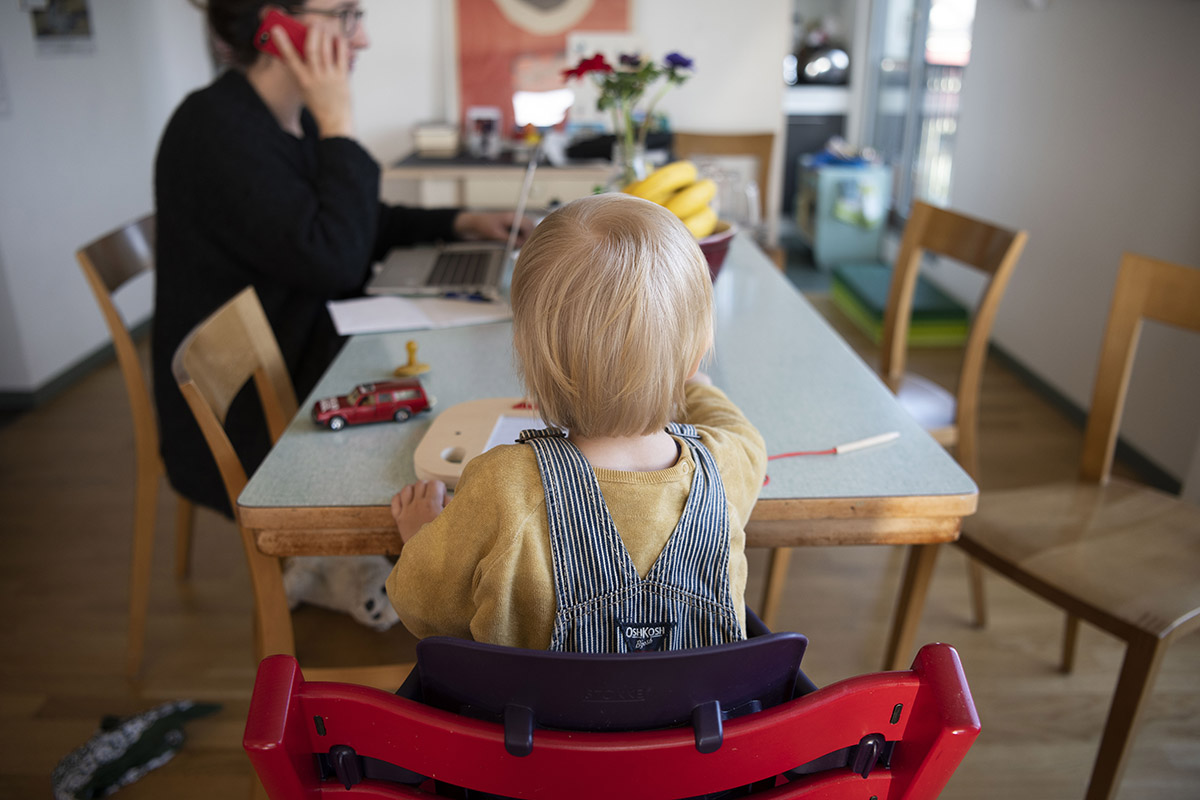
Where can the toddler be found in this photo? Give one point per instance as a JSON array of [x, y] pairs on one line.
[[620, 527]]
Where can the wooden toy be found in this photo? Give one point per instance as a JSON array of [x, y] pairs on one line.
[[463, 431], [413, 367]]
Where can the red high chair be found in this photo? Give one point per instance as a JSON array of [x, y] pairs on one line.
[[888, 735]]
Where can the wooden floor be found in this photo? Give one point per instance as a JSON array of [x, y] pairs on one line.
[[66, 478]]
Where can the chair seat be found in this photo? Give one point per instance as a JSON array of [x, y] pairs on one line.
[[927, 402], [1127, 552]]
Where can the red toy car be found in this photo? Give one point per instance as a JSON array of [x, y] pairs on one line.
[[372, 402]]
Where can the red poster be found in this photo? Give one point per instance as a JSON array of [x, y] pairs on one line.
[[501, 39]]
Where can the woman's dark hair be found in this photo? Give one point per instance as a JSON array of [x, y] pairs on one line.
[[234, 23]]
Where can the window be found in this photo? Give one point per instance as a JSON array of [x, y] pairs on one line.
[[918, 52]]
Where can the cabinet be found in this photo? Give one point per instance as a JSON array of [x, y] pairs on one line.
[[806, 133], [842, 212], [474, 183]]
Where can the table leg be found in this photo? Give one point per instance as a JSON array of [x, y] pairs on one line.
[[777, 569], [918, 569]]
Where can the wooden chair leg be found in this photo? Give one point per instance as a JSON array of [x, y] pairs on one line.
[[777, 570], [273, 619], [1142, 660], [185, 518], [1070, 637], [141, 563], [978, 597], [918, 570]]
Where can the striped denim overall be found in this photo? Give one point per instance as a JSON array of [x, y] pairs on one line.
[[604, 606]]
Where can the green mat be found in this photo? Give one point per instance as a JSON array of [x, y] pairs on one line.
[[860, 291]]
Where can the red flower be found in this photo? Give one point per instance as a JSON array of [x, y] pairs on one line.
[[594, 64]]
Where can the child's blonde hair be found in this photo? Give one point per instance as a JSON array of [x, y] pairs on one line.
[[612, 310]]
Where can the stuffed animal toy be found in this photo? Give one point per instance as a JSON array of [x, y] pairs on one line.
[[353, 584]]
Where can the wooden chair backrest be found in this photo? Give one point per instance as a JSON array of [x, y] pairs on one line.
[[108, 263], [757, 145], [1146, 289], [212, 364], [122, 254], [974, 243]]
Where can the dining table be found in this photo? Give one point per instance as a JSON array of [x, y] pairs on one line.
[[323, 492]]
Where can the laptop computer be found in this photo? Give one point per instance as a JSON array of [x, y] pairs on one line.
[[467, 269]]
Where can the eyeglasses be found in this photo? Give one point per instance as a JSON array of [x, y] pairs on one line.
[[349, 17]]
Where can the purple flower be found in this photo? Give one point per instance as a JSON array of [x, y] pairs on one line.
[[630, 60], [678, 61]]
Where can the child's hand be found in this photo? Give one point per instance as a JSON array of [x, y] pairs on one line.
[[416, 504]]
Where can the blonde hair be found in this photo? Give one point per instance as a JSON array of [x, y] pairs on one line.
[[612, 309]]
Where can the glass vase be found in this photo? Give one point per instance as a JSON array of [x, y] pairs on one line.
[[629, 164]]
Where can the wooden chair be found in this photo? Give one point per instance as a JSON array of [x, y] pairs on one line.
[[952, 419], [109, 263], [909, 731], [756, 145], [1119, 555], [212, 364], [759, 146]]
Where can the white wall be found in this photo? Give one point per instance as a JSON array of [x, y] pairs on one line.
[[77, 148], [399, 81], [76, 154], [1080, 123], [738, 85]]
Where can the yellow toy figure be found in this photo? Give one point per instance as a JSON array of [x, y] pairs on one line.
[[413, 367]]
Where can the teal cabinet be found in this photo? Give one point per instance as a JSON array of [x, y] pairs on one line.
[[842, 211]]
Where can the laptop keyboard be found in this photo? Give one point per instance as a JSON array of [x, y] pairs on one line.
[[459, 269]]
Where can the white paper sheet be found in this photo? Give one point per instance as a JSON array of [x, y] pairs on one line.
[[508, 429], [380, 314]]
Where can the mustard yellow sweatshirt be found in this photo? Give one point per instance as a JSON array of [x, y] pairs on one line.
[[483, 569]]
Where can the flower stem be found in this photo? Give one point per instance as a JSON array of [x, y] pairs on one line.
[[644, 128]]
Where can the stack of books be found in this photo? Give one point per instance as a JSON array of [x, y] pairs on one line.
[[436, 140], [860, 291]]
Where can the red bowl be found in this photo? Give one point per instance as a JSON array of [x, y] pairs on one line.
[[716, 245]]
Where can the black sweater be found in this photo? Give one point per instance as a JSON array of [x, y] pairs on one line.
[[240, 202]]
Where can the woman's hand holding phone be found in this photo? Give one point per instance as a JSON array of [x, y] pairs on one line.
[[323, 74]]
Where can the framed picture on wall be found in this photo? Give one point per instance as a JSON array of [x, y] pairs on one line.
[[62, 26], [510, 46]]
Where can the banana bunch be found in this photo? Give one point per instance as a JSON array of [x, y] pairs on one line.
[[675, 186]]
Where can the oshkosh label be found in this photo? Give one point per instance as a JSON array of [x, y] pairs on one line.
[[645, 636]]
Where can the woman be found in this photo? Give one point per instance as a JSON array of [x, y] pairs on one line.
[[260, 182]]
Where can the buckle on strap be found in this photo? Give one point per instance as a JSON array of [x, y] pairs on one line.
[[541, 433]]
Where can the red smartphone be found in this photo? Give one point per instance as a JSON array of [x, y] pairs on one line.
[[296, 30]]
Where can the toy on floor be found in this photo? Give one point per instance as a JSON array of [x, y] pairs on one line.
[[372, 402], [413, 367], [125, 749], [353, 584]]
